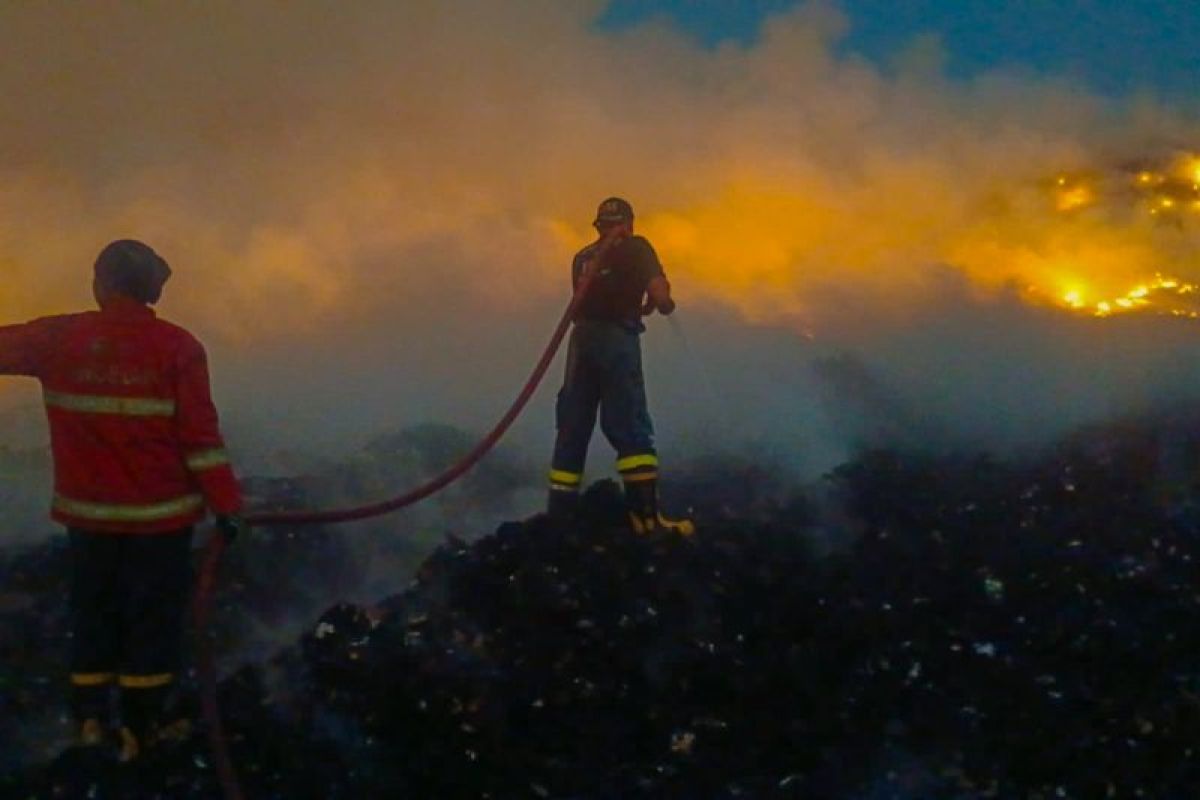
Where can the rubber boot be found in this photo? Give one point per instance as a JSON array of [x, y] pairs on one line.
[[142, 713], [91, 702], [93, 750], [562, 506], [91, 732], [641, 500], [129, 748], [91, 706]]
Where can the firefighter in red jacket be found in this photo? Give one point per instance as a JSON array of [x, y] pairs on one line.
[[138, 457]]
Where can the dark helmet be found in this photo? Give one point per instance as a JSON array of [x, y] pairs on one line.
[[613, 210], [132, 268]]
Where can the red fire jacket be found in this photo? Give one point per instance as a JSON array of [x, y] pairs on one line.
[[137, 447]]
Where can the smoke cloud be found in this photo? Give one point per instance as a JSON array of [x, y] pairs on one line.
[[370, 208]]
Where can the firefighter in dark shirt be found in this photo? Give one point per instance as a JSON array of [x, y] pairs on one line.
[[604, 371]]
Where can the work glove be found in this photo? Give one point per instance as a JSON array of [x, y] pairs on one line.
[[649, 307], [230, 525]]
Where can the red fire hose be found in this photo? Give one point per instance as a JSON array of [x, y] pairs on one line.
[[211, 561]]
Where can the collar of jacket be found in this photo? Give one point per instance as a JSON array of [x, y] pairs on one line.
[[122, 306]]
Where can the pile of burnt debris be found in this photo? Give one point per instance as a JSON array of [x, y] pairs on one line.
[[980, 629]]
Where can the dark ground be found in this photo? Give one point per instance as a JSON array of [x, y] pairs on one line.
[[1018, 629]]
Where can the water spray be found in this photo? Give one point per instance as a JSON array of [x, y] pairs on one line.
[[698, 364]]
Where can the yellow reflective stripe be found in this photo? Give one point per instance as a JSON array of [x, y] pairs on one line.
[[91, 678], [566, 478], [633, 462], [637, 477], [207, 459], [146, 681], [128, 513], [99, 404]]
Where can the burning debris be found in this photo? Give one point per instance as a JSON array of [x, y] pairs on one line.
[[1167, 189], [991, 630]]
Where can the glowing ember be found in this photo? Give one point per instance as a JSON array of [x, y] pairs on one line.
[[1074, 299], [1191, 170], [1072, 198], [1162, 295], [1086, 255]]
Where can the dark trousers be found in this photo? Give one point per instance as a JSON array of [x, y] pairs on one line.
[[604, 373], [128, 596]]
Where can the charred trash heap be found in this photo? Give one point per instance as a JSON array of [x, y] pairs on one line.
[[996, 630]]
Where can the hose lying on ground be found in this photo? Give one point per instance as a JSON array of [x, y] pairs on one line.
[[211, 561]]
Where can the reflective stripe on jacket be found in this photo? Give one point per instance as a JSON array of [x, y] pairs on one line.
[[136, 440]]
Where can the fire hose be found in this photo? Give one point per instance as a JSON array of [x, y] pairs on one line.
[[211, 560]]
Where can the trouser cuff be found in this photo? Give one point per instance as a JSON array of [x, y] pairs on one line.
[[562, 480], [91, 695], [144, 700]]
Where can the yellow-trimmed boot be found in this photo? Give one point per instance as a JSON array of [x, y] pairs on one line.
[[562, 504], [91, 733], [130, 748], [641, 501]]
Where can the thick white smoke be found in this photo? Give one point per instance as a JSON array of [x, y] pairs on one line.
[[370, 208]]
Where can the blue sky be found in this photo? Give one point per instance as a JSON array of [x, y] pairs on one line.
[[1115, 46]]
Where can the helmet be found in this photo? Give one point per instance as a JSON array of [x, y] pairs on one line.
[[132, 268], [613, 209]]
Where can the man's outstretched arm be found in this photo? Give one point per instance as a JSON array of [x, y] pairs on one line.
[[24, 347]]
